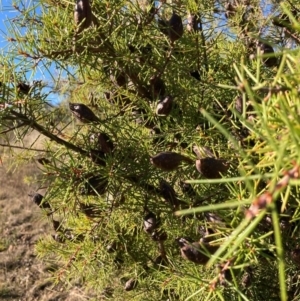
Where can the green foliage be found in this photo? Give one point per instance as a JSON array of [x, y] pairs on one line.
[[251, 212]]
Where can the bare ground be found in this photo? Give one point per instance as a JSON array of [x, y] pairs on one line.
[[23, 277]]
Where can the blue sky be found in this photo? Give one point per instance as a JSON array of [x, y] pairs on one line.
[[8, 12]]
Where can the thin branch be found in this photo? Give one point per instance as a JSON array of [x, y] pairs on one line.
[[13, 128], [23, 147], [275, 90], [292, 35], [203, 45], [33, 124]]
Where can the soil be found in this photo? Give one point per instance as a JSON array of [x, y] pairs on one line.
[[23, 277]]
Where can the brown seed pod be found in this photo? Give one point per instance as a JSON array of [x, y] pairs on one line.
[[130, 284], [119, 79], [94, 186], [205, 233], [168, 193], [225, 275], [112, 247], [107, 293], [83, 14], [150, 222], [102, 142], [90, 210], [193, 21], [63, 235], [282, 20], [98, 157], [205, 150], [160, 260], [59, 238], [247, 278], [105, 143], [295, 256], [196, 252], [169, 161], [195, 74], [212, 168], [23, 88], [163, 26], [44, 161], [159, 235], [83, 113], [267, 49], [175, 27], [38, 200], [230, 10], [57, 226], [187, 189], [164, 106], [239, 104], [157, 86], [157, 135]]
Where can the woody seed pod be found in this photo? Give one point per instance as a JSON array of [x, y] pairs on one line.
[[230, 10], [282, 20], [239, 104], [103, 142], [98, 157], [161, 260], [157, 86], [295, 256], [163, 26], [197, 252], [44, 161], [119, 79], [195, 74], [212, 168], [23, 87], [112, 247], [83, 113], [169, 161], [175, 28], [159, 235], [267, 49], [107, 293], [94, 186], [38, 200], [168, 193], [130, 284], [164, 106], [83, 14], [90, 210], [150, 222], [57, 226], [187, 189], [193, 21]]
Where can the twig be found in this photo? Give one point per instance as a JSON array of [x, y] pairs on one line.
[[11, 129], [33, 124], [204, 46], [292, 35], [262, 201], [23, 147]]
